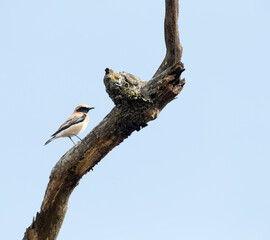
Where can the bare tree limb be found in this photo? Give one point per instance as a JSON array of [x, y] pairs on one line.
[[136, 103], [171, 33]]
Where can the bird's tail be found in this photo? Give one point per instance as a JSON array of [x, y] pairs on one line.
[[49, 140]]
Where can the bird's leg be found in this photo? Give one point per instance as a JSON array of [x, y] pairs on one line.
[[72, 140], [78, 137]]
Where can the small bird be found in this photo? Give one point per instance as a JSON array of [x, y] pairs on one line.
[[74, 125]]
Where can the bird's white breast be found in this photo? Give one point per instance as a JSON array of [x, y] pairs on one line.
[[73, 130]]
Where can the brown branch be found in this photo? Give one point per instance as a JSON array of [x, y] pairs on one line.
[[173, 46], [137, 102]]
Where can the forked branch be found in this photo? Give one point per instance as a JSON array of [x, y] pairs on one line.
[[136, 103]]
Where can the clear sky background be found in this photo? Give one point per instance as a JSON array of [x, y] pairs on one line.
[[198, 172]]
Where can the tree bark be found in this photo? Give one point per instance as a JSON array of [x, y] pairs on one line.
[[136, 103]]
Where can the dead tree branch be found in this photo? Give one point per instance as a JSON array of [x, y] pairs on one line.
[[136, 103], [173, 47]]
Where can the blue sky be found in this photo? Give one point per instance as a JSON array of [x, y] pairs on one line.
[[200, 171]]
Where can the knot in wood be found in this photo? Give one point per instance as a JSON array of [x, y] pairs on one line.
[[123, 88]]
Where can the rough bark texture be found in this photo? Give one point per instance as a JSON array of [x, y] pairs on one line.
[[136, 103]]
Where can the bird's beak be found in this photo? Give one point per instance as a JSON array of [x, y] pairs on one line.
[[91, 108]]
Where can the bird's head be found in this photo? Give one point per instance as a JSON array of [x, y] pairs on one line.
[[83, 109]]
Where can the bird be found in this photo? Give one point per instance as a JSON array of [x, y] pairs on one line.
[[74, 125]]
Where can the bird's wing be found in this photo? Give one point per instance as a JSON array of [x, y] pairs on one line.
[[71, 121]]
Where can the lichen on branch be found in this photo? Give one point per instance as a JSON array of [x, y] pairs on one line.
[[123, 87]]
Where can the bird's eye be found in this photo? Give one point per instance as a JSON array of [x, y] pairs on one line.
[[83, 109]]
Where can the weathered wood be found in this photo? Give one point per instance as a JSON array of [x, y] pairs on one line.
[[173, 47], [136, 103]]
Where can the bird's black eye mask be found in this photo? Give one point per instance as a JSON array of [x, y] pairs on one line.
[[83, 109]]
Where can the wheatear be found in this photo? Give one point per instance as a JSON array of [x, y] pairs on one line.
[[74, 125]]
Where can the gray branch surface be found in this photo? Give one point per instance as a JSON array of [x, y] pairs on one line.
[[136, 103]]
